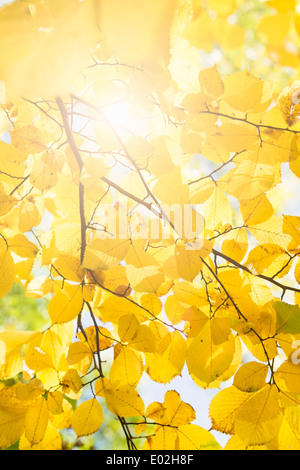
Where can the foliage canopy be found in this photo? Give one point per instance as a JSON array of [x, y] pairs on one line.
[[143, 199]]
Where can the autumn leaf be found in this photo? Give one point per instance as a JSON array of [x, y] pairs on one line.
[[87, 418]]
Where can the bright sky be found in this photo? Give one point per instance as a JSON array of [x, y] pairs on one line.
[[4, 2]]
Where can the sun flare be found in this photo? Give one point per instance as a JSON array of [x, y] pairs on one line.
[[118, 114]]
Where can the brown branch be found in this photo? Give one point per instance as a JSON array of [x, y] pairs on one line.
[[34, 103], [128, 156], [240, 314], [258, 126], [261, 276], [99, 368], [129, 195], [153, 317], [19, 185], [78, 158]]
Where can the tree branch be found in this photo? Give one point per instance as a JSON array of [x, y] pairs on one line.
[[78, 158], [261, 276]]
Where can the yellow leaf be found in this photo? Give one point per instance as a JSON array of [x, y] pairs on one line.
[[114, 307], [152, 303], [36, 421], [97, 340], [167, 363], [206, 361], [44, 174], [137, 32], [185, 437], [297, 272], [7, 203], [289, 436], [234, 249], [272, 232], [20, 245], [142, 269], [11, 161], [105, 254], [186, 293], [29, 139], [69, 268], [7, 271], [236, 443], [139, 149], [66, 304], [282, 7], [195, 133], [127, 369], [12, 361], [139, 337], [289, 375], [217, 209], [92, 172], [165, 438], [29, 215], [124, 402], [262, 352], [188, 263], [251, 376], [77, 352], [211, 82], [294, 158], [87, 418], [66, 197], [29, 391], [220, 329], [246, 93], [36, 359], [63, 419], [224, 407], [230, 137], [174, 310], [257, 210], [50, 26], [269, 260], [291, 226], [50, 441], [199, 32], [160, 160], [177, 412], [223, 8], [113, 278], [170, 189], [12, 415], [146, 278], [66, 239], [258, 420], [156, 411], [200, 193], [71, 380], [193, 437], [273, 29], [55, 402], [249, 180], [227, 35]]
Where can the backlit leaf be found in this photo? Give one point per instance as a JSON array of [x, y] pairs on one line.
[[87, 418]]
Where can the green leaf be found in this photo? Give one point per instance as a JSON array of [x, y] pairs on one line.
[[288, 318]]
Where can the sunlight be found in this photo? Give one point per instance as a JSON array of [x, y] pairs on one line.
[[127, 119], [118, 114]]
